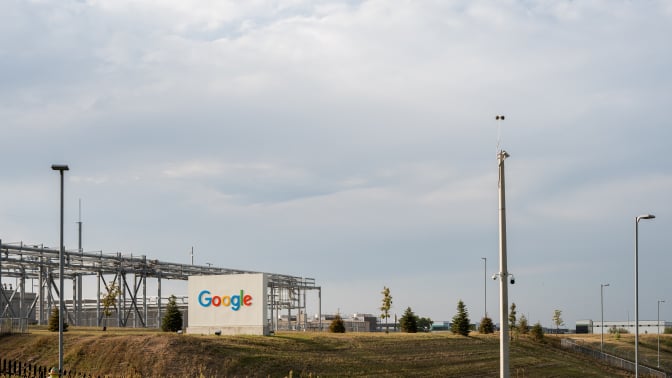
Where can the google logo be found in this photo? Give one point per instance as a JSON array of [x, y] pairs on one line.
[[233, 301]]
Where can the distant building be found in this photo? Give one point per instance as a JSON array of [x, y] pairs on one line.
[[584, 326], [441, 326], [355, 323], [623, 326]]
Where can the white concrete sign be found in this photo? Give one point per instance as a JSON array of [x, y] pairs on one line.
[[233, 304]]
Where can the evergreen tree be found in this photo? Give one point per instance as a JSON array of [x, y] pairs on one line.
[[460, 323], [522, 325], [409, 321], [385, 307], [172, 320], [537, 332], [53, 321], [337, 325], [486, 326]]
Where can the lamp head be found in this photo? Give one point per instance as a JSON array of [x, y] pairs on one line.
[[645, 216], [60, 167]]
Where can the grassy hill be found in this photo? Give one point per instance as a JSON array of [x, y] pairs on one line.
[[131, 353]]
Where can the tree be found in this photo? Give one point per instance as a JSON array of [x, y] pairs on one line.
[[557, 320], [409, 321], [523, 327], [486, 325], [460, 324], [425, 324], [53, 321], [385, 307], [537, 332], [109, 301], [337, 325], [172, 319], [512, 318]]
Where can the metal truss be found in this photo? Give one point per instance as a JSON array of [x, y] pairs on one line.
[[129, 274]]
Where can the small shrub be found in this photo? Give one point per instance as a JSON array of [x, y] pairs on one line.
[[172, 320], [53, 321], [617, 331], [523, 327], [486, 326], [425, 324], [337, 325], [537, 332], [409, 321]]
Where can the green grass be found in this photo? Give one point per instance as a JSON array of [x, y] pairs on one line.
[[128, 352]]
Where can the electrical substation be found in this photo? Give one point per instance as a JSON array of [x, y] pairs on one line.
[[88, 271]]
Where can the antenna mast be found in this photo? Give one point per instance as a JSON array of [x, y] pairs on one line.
[[79, 228]]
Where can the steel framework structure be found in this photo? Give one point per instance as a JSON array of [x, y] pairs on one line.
[[130, 274]]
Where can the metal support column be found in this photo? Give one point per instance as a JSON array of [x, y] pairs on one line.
[[319, 308], [75, 313], [503, 274], [40, 288], [98, 299], [159, 301], [22, 293]]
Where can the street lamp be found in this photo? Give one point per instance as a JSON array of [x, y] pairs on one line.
[[485, 287], [659, 302], [602, 286], [637, 219], [61, 303]]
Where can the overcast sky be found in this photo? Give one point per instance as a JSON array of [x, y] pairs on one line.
[[353, 142]]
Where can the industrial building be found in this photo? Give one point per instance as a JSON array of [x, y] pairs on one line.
[[35, 271], [645, 326]]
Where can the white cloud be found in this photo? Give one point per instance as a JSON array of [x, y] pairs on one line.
[[308, 129]]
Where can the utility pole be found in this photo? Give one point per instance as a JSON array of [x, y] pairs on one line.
[[80, 249], [503, 272], [485, 287], [602, 286], [61, 298]]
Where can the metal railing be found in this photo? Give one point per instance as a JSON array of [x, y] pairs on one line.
[[15, 368], [612, 360]]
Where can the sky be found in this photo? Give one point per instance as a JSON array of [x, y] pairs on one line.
[[353, 142]]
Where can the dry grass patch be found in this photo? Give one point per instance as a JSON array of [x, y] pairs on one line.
[[120, 352]]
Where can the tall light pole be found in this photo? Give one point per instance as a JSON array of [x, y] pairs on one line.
[[485, 287], [659, 302], [61, 299], [503, 273], [602, 286], [637, 219]]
